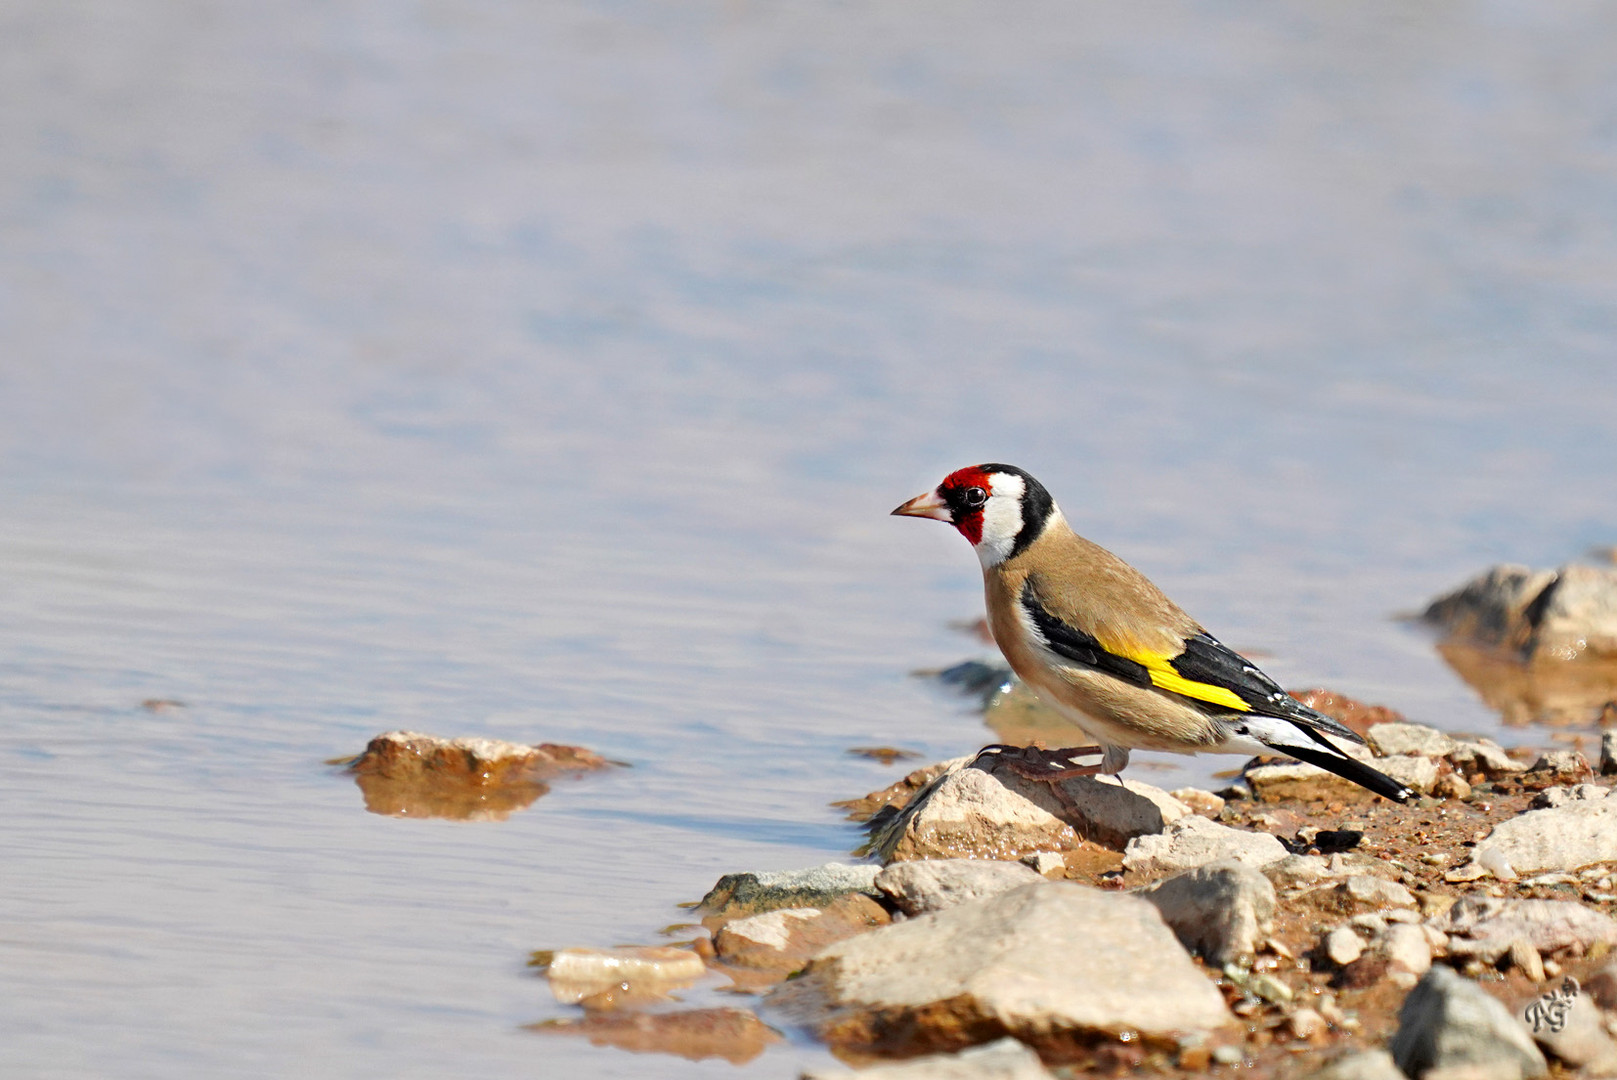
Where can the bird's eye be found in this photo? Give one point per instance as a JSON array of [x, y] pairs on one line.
[[976, 496]]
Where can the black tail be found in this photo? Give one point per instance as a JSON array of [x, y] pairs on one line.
[[1350, 769]]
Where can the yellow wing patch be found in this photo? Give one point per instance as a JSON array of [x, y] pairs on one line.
[[1164, 677]]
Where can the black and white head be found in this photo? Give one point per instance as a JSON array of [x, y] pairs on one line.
[[999, 508]]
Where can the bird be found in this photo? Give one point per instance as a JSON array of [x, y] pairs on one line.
[[1107, 649]]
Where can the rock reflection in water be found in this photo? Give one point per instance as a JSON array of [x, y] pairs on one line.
[[1538, 691], [408, 774], [736, 1035]]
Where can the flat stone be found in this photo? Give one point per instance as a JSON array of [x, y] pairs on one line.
[[987, 811], [1302, 782], [1449, 1022], [783, 940], [753, 892], [1567, 1024], [924, 886], [1485, 926], [1057, 965], [1570, 837], [1409, 739], [1360, 893], [1003, 1059], [1219, 911], [637, 972], [409, 774], [1360, 1065], [1195, 841]]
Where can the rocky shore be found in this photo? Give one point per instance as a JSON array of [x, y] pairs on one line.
[[1290, 924]]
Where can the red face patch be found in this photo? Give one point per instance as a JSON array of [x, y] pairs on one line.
[[968, 519]]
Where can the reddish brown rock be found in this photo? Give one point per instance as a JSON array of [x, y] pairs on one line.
[[408, 774], [1345, 710], [783, 941], [895, 796]]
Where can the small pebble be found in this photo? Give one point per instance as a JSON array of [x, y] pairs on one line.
[[1228, 1055], [1343, 946], [1045, 862], [1526, 958], [1306, 1023]]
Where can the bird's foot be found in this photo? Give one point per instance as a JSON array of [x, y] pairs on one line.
[[1047, 766]]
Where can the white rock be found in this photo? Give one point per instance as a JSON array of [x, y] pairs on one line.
[[1195, 841], [1296, 870], [576, 974], [1406, 948], [1043, 959], [923, 886], [1343, 946], [1569, 837], [1003, 1059], [1219, 911], [1360, 1065], [1406, 738], [987, 811]]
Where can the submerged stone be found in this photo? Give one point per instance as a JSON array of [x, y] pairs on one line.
[[636, 972], [735, 1035], [752, 892], [408, 774]]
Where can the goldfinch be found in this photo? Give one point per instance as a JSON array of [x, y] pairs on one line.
[[1104, 647]]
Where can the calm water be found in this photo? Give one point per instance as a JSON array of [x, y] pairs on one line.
[[547, 371]]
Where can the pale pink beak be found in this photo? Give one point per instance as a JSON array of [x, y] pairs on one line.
[[930, 505]]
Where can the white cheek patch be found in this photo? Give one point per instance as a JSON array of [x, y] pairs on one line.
[[1002, 519]]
